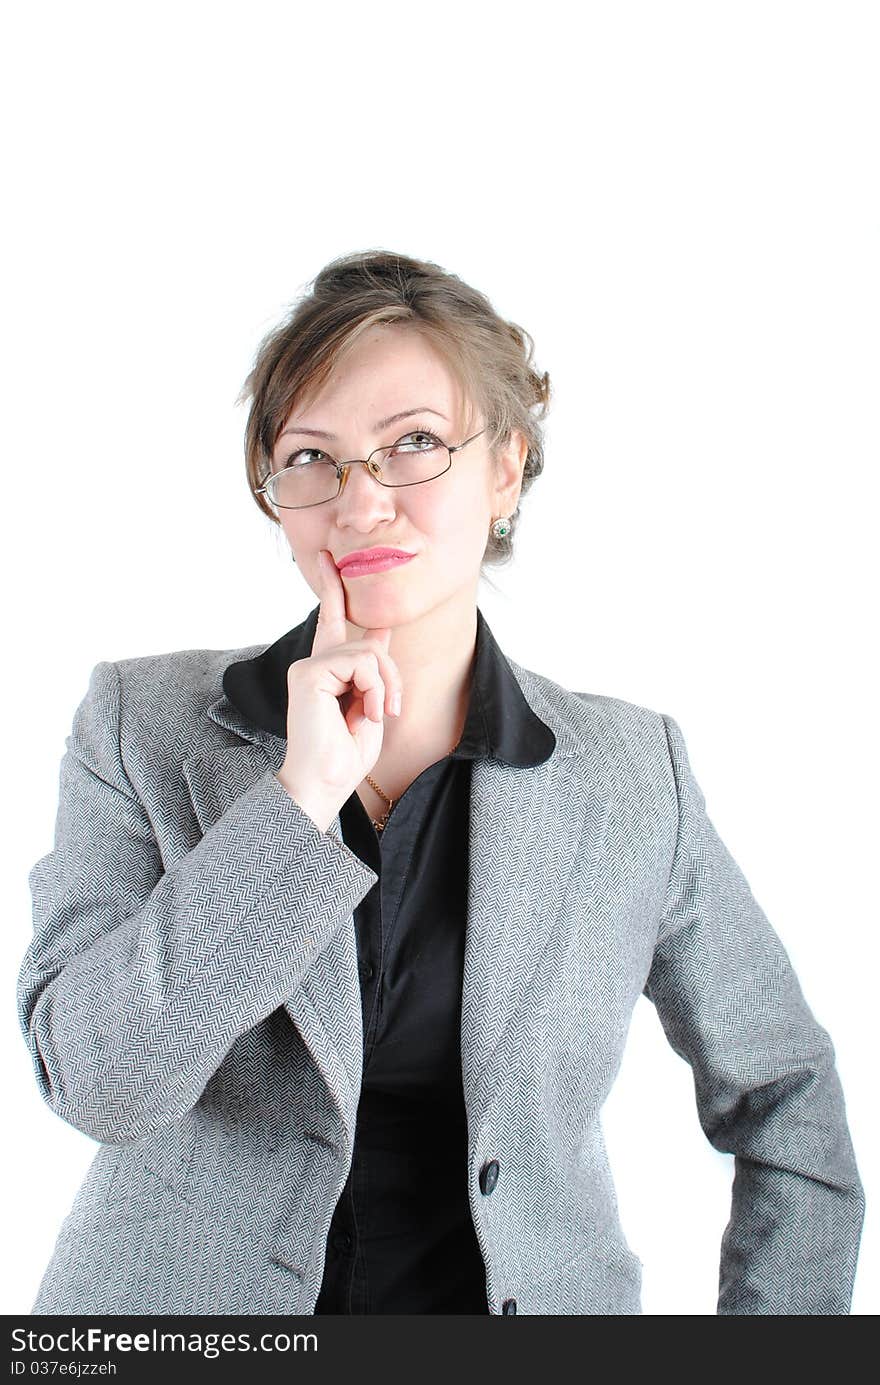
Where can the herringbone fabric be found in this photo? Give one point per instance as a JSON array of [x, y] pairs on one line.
[[190, 999]]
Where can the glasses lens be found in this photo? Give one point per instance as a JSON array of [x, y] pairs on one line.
[[415, 458], [303, 483]]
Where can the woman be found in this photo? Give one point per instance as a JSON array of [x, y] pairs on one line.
[[337, 949]]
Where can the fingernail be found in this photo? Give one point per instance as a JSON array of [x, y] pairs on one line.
[[395, 704]]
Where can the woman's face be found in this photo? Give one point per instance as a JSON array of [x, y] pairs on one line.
[[444, 522]]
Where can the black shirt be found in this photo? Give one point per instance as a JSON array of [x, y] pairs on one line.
[[402, 1238]]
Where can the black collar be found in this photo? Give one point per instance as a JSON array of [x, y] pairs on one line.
[[500, 723]]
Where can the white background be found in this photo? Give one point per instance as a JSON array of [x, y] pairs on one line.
[[679, 202]]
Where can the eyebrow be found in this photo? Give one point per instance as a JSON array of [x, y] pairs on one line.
[[383, 423]]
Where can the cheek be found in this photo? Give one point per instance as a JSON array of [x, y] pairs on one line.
[[303, 540], [301, 534], [455, 518]]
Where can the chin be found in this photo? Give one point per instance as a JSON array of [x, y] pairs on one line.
[[379, 609]]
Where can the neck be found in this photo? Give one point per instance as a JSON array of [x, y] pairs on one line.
[[435, 656]]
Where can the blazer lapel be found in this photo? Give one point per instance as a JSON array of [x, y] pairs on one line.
[[523, 848]]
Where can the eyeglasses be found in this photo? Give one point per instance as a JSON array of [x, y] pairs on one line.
[[302, 482]]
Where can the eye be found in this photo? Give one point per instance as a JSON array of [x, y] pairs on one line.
[[307, 453], [427, 440]]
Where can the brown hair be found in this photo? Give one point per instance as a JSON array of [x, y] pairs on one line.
[[490, 359]]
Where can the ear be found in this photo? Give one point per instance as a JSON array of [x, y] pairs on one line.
[[511, 459]]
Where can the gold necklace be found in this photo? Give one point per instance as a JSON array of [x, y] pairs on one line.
[[383, 821]]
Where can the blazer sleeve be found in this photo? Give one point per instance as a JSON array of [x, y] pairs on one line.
[[137, 981], [767, 1089]]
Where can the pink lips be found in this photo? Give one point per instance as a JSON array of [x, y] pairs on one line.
[[367, 560]]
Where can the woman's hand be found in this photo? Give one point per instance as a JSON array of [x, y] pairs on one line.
[[337, 701]]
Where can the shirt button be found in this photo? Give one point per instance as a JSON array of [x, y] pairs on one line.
[[367, 970], [509, 1305], [488, 1176], [342, 1240]]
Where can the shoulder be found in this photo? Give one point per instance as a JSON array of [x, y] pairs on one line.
[[164, 697], [620, 736]]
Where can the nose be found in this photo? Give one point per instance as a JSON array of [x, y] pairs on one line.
[[362, 499]]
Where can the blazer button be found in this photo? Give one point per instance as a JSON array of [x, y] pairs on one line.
[[488, 1176], [509, 1305]]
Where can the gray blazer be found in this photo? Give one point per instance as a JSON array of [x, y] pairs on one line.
[[191, 1001]]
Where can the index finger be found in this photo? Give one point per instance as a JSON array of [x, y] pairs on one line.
[[330, 630]]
